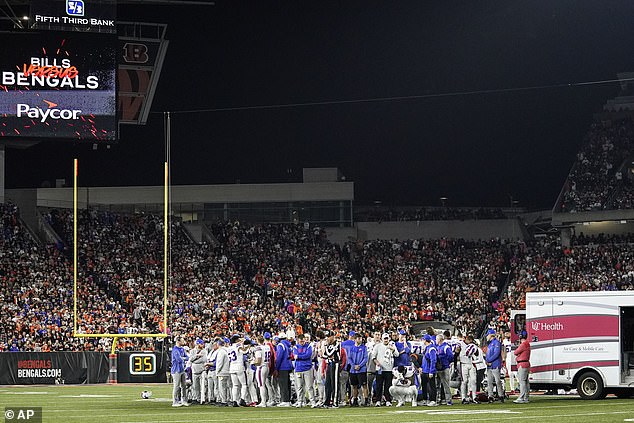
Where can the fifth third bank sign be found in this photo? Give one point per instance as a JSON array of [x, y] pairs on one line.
[[75, 15]]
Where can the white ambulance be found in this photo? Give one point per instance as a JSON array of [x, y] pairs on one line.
[[582, 340]]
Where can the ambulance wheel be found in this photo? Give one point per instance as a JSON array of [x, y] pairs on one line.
[[590, 386]]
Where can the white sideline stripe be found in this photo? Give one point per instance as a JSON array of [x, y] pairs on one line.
[[504, 418], [387, 413], [532, 406], [330, 416]]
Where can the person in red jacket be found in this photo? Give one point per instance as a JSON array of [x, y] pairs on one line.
[[523, 357]]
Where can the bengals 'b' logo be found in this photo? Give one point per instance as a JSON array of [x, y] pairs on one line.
[[135, 53]]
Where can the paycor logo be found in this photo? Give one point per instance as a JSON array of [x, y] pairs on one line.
[[24, 110]]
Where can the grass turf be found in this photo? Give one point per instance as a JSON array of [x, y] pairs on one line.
[[123, 403]]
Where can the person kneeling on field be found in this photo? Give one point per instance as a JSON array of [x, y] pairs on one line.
[[402, 388]]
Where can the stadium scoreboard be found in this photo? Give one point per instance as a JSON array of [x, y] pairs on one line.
[[59, 78]]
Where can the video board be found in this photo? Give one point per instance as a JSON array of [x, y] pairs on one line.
[[59, 85]]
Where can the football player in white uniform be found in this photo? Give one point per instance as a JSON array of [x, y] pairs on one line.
[[402, 388], [510, 363], [250, 372], [262, 361], [237, 370], [320, 376], [468, 369], [212, 377], [371, 366]]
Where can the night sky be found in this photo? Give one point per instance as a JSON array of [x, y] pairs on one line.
[[475, 150]]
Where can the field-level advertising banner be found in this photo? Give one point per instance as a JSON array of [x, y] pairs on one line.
[[75, 15], [59, 86], [33, 368]]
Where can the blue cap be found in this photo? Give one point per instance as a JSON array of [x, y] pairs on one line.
[[267, 335], [401, 332], [226, 340], [200, 342], [523, 334], [428, 338], [491, 332], [276, 339], [352, 333]]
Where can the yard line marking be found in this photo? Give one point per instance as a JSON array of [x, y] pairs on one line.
[[26, 393], [90, 396], [456, 411]]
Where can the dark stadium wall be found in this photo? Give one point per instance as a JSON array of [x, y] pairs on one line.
[[467, 229]]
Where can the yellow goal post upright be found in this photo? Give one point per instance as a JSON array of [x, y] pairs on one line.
[[116, 336]]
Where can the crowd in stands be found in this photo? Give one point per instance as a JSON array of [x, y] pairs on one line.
[[546, 265], [457, 279], [255, 277], [597, 177], [625, 196], [35, 293], [388, 214], [265, 277]]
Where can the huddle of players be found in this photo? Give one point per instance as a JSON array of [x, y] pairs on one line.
[[244, 372]]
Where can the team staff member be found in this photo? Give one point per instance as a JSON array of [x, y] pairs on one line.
[[445, 356], [429, 371], [493, 359], [383, 356], [357, 361], [284, 367], [345, 372], [179, 357], [223, 373], [303, 353], [523, 357], [404, 349], [197, 360]]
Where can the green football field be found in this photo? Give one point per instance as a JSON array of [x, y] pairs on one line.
[[122, 403]]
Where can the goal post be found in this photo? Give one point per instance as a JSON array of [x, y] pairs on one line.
[[116, 336]]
